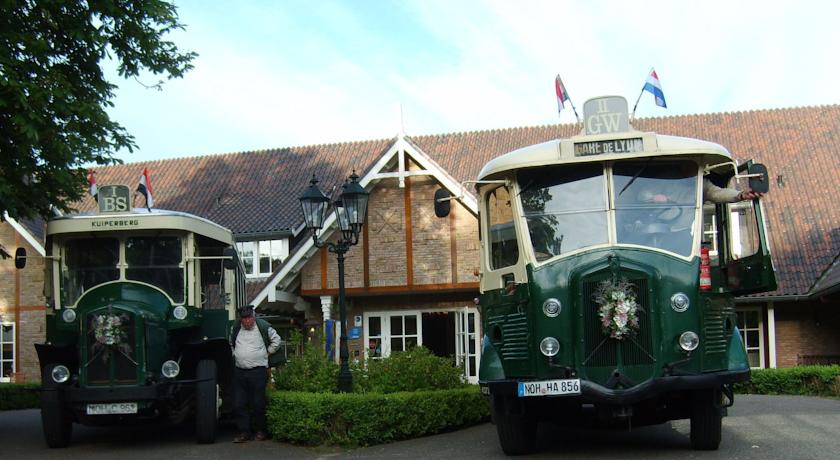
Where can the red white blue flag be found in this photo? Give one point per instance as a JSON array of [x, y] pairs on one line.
[[562, 95], [94, 191], [145, 188], [653, 86]]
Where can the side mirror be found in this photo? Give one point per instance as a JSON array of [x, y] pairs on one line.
[[442, 202], [761, 182], [230, 261], [20, 258]]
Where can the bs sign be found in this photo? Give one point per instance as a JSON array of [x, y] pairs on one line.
[[606, 115], [114, 198]]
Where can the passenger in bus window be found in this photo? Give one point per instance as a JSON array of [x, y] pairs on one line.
[[715, 194]]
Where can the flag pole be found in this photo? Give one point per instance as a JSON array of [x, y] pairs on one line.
[[633, 115], [574, 109]]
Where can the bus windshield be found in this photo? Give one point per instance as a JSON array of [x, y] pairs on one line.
[[87, 263], [566, 206], [157, 261]]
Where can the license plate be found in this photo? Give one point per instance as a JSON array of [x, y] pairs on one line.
[[549, 388], [112, 408]]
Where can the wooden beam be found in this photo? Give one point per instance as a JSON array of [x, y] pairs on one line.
[[409, 235], [324, 284], [453, 243], [366, 251]]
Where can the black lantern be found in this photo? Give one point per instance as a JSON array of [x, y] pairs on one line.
[[350, 212], [314, 204]]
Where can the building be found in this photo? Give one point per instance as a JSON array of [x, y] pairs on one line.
[[413, 277]]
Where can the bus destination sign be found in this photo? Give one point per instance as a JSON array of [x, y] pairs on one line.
[[609, 146]]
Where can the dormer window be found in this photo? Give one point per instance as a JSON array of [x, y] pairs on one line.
[[261, 258]]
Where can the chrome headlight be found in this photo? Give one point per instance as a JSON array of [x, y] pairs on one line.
[[180, 312], [552, 307], [60, 374], [689, 341], [549, 346], [679, 302], [68, 315], [170, 369]]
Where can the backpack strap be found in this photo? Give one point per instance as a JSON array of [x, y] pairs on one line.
[[234, 333], [263, 326]]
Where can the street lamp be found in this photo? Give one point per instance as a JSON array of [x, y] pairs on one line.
[[350, 211]]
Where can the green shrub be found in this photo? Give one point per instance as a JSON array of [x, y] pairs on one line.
[[412, 370], [362, 419], [15, 396], [802, 380]]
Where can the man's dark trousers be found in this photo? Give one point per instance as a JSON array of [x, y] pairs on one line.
[[249, 389]]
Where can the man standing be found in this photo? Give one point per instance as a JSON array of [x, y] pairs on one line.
[[252, 340]]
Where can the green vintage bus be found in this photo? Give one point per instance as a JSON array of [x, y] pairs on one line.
[[608, 282], [139, 307]]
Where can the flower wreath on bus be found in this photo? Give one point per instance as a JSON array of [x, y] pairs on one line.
[[109, 333], [618, 309]]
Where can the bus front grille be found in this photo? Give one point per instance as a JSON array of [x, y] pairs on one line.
[[602, 351], [110, 358], [514, 328]]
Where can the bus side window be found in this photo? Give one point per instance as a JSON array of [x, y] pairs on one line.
[[504, 247], [743, 230], [710, 237]]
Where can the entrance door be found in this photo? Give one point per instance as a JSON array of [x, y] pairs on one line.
[[466, 342]]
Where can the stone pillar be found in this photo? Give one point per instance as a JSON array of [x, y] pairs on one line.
[[326, 306]]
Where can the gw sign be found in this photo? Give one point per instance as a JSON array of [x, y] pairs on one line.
[[606, 115], [114, 198]]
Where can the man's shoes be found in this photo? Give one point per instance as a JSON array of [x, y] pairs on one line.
[[242, 437], [260, 436]]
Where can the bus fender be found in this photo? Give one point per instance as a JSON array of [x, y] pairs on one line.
[[737, 354], [491, 365]]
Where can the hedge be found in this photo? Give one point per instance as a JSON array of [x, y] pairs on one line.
[[363, 419], [802, 380], [14, 396]]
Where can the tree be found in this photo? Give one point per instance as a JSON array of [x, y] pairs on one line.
[[53, 93]]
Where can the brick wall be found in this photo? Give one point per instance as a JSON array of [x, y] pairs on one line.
[[806, 329], [22, 302]]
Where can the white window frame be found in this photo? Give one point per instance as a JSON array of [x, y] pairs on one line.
[[751, 347], [462, 338], [8, 340], [255, 257], [386, 329]]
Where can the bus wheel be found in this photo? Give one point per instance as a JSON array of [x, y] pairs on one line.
[[706, 420], [517, 433], [55, 420], [206, 409]]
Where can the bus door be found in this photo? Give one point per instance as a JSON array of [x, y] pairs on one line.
[[747, 267]]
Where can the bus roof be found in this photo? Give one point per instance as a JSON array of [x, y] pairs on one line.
[[606, 147], [138, 219]]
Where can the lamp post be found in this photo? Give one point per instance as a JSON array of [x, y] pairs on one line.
[[350, 211]]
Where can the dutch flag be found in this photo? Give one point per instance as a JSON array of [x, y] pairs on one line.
[[145, 188], [562, 95], [94, 191], [653, 86]]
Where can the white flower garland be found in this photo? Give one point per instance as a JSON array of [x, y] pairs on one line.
[[618, 309], [109, 333]]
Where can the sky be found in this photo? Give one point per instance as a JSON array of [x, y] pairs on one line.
[[274, 74]]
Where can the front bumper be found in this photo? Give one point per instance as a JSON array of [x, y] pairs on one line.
[[598, 394]]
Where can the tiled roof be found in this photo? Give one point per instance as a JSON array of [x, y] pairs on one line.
[[35, 227], [256, 192], [248, 192]]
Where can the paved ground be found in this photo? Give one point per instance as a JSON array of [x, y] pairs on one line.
[[758, 427]]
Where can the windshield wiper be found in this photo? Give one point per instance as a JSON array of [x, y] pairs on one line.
[[633, 179]]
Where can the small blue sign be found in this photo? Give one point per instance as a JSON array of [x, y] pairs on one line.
[[354, 333]]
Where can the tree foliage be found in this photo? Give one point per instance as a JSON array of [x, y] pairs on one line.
[[54, 95]]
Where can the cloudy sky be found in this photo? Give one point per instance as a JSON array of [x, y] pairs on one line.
[[274, 74]]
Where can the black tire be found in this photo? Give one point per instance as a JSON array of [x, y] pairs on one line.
[[706, 420], [57, 422], [206, 410], [517, 433]]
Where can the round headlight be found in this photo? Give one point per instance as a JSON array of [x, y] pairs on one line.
[[60, 374], [552, 307], [180, 312], [549, 346], [68, 315], [689, 341], [679, 302], [170, 369]]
